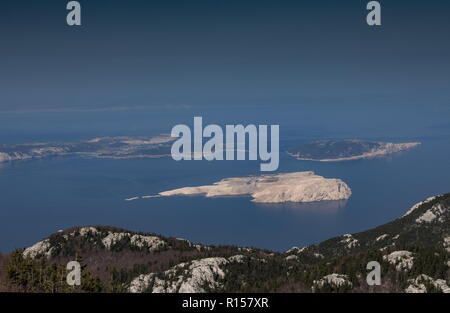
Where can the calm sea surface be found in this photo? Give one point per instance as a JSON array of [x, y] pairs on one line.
[[42, 196]]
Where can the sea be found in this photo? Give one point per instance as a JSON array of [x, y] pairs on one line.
[[40, 197]]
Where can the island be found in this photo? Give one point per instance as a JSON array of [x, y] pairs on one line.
[[121, 147], [271, 188], [349, 149]]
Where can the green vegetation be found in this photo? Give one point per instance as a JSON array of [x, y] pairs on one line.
[[30, 275], [112, 267]]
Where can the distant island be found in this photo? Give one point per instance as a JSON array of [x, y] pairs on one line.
[[103, 147], [344, 150], [272, 188]]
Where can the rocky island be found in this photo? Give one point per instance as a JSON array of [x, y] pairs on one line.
[[272, 188], [344, 150], [121, 147]]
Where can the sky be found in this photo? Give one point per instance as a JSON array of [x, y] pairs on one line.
[[204, 53]]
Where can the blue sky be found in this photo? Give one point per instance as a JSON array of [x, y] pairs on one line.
[[201, 53]]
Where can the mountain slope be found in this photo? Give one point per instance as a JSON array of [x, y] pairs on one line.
[[427, 223], [413, 251]]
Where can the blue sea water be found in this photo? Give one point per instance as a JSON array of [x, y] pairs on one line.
[[40, 197]]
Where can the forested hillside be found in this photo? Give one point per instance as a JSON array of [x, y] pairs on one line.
[[413, 251]]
